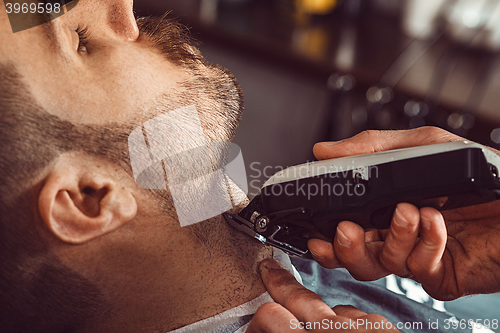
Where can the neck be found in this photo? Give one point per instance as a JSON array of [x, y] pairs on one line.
[[227, 275], [206, 276]]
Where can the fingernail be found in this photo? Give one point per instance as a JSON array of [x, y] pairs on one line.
[[271, 264], [342, 238], [425, 222], [400, 220]]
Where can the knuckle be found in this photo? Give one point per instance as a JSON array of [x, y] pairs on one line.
[[368, 135], [267, 311], [350, 258], [301, 295], [265, 316], [416, 266], [283, 279], [433, 130], [412, 264], [331, 264], [386, 259], [271, 307], [394, 254], [436, 134]]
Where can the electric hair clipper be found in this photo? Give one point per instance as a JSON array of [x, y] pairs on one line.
[[311, 199]]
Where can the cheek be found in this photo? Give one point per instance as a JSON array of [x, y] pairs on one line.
[[107, 89], [135, 80], [134, 70]]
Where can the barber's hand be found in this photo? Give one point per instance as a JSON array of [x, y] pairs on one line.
[[296, 307], [452, 254]]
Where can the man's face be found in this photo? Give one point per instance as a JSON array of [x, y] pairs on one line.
[[122, 75], [125, 78], [117, 75]]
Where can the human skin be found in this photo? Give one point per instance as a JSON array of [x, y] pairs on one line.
[[295, 304], [452, 254], [117, 77], [153, 274]]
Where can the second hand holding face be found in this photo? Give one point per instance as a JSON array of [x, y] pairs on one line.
[[299, 310]]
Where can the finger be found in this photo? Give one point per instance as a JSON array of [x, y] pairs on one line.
[[305, 305], [322, 251], [272, 317], [348, 311], [375, 141], [401, 239], [426, 259], [359, 258]]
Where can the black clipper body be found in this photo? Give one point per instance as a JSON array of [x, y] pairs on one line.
[[311, 199]]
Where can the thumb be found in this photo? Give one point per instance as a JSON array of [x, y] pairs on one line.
[[371, 141]]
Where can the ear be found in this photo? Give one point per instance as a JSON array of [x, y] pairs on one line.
[[82, 199]]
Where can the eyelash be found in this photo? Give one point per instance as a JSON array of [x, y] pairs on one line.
[[83, 37]]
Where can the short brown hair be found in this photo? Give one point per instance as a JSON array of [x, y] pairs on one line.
[[37, 292]]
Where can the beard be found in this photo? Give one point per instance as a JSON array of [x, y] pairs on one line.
[[33, 138], [212, 90], [189, 148], [179, 152]]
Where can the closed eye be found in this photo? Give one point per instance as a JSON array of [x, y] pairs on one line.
[[84, 38]]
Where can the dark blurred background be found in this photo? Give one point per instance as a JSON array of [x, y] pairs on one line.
[[318, 70], [314, 70]]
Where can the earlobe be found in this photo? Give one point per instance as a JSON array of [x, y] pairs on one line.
[[80, 203]]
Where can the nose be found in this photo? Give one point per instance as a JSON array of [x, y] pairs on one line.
[[121, 19]]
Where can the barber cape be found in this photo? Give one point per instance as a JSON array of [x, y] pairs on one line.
[[337, 287]]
